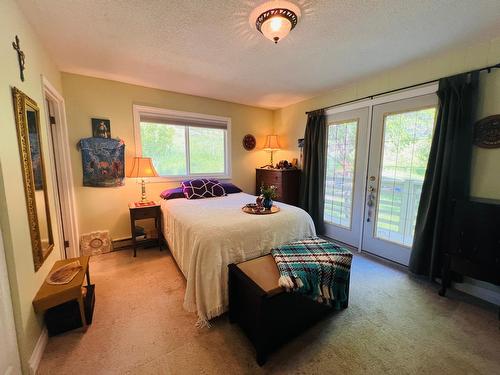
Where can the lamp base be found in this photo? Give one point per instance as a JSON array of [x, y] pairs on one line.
[[143, 195], [271, 164]]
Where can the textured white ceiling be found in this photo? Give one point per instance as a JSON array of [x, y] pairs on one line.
[[207, 47]]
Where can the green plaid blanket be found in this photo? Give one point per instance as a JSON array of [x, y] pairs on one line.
[[316, 268]]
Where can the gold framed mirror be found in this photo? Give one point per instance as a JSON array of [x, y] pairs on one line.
[[27, 117]]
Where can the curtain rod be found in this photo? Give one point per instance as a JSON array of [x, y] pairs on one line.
[[488, 68]]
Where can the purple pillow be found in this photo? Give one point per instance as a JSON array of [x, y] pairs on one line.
[[172, 193], [202, 188], [230, 188]]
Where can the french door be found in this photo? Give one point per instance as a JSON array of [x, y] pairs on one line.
[[347, 153], [372, 198]]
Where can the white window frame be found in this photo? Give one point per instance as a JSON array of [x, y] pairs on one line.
[[180, 116], [370, 103]]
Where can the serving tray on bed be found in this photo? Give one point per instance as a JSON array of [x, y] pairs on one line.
[[256, 211]]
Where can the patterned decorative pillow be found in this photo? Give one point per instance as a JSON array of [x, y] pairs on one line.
[[230, 188], [172, 193], [202, 188]]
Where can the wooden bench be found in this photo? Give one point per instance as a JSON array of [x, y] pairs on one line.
[[268, 314], [65, 306]]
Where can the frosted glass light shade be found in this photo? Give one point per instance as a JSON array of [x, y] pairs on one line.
[[275, 19], [276, 28], [142, 167]]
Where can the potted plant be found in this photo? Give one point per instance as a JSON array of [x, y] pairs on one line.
[[268, 193]]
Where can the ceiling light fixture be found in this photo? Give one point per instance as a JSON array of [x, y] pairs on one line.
[[275, 19]]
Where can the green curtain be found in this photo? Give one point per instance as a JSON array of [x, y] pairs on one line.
[[312, 185], [448, 171]]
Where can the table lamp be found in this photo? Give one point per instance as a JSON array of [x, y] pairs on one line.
[[142, 168], [271, 145]]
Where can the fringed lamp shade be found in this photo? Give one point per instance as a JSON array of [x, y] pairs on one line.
[[142, 168]]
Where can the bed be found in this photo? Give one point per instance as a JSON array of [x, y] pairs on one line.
[[206, 235]]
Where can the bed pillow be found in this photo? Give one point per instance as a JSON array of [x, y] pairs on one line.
[[172, 193], [230, 188], [202, 188]]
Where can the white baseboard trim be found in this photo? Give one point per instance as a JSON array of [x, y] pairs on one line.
[[479, 289], [37, 354]]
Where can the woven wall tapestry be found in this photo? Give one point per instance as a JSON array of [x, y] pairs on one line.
[[103, 162]]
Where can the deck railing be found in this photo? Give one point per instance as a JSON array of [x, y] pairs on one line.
[[396, 211]]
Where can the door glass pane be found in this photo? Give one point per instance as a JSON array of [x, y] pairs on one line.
[[206, 150], [340, 165], [166, 145], [406, 145]]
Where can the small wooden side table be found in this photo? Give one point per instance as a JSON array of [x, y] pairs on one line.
[[49, 295], [145, 212]]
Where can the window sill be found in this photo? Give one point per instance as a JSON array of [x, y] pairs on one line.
[[164, 179]]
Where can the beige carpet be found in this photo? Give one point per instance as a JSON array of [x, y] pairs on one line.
[[395, 324]]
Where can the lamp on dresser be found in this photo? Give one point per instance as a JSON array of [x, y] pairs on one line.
[[272, 144], [142, 168]]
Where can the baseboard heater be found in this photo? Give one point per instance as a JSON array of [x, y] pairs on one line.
[[126, 243]]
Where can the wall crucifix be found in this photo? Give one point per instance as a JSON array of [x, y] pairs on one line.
[[20, 57]]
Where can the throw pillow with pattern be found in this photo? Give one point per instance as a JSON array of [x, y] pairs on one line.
[[202, 188]]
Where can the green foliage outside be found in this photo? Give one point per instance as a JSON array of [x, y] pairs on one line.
[[341, 158], [407, 141], [166, 145], [206, 150]]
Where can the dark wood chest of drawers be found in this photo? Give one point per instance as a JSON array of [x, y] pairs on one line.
[[287, 182], [474, 243]]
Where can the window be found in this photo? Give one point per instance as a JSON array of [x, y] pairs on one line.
[[406, 144], [340, 163], [183, 144]]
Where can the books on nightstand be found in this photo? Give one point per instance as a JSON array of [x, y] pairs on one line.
[[140, 233]]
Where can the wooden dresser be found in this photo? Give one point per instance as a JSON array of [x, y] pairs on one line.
[[287, 182], [473, 248]]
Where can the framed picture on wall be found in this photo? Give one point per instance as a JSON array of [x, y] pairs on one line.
[[101, 128]]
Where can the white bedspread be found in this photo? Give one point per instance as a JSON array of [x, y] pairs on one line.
[[205, 235]]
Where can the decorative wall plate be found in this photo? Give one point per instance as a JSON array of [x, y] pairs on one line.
[[487, 132], [249, 142]]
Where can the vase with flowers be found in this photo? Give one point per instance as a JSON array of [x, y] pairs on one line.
[[268, 194]]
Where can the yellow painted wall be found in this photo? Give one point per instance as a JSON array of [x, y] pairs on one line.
[[24, 282], [106, 208], [289, 122], [485, 181]]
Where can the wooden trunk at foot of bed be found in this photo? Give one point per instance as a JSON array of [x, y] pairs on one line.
[[270, 319]]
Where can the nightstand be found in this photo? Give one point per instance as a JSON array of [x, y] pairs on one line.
[[145, 212], [287, 182]]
